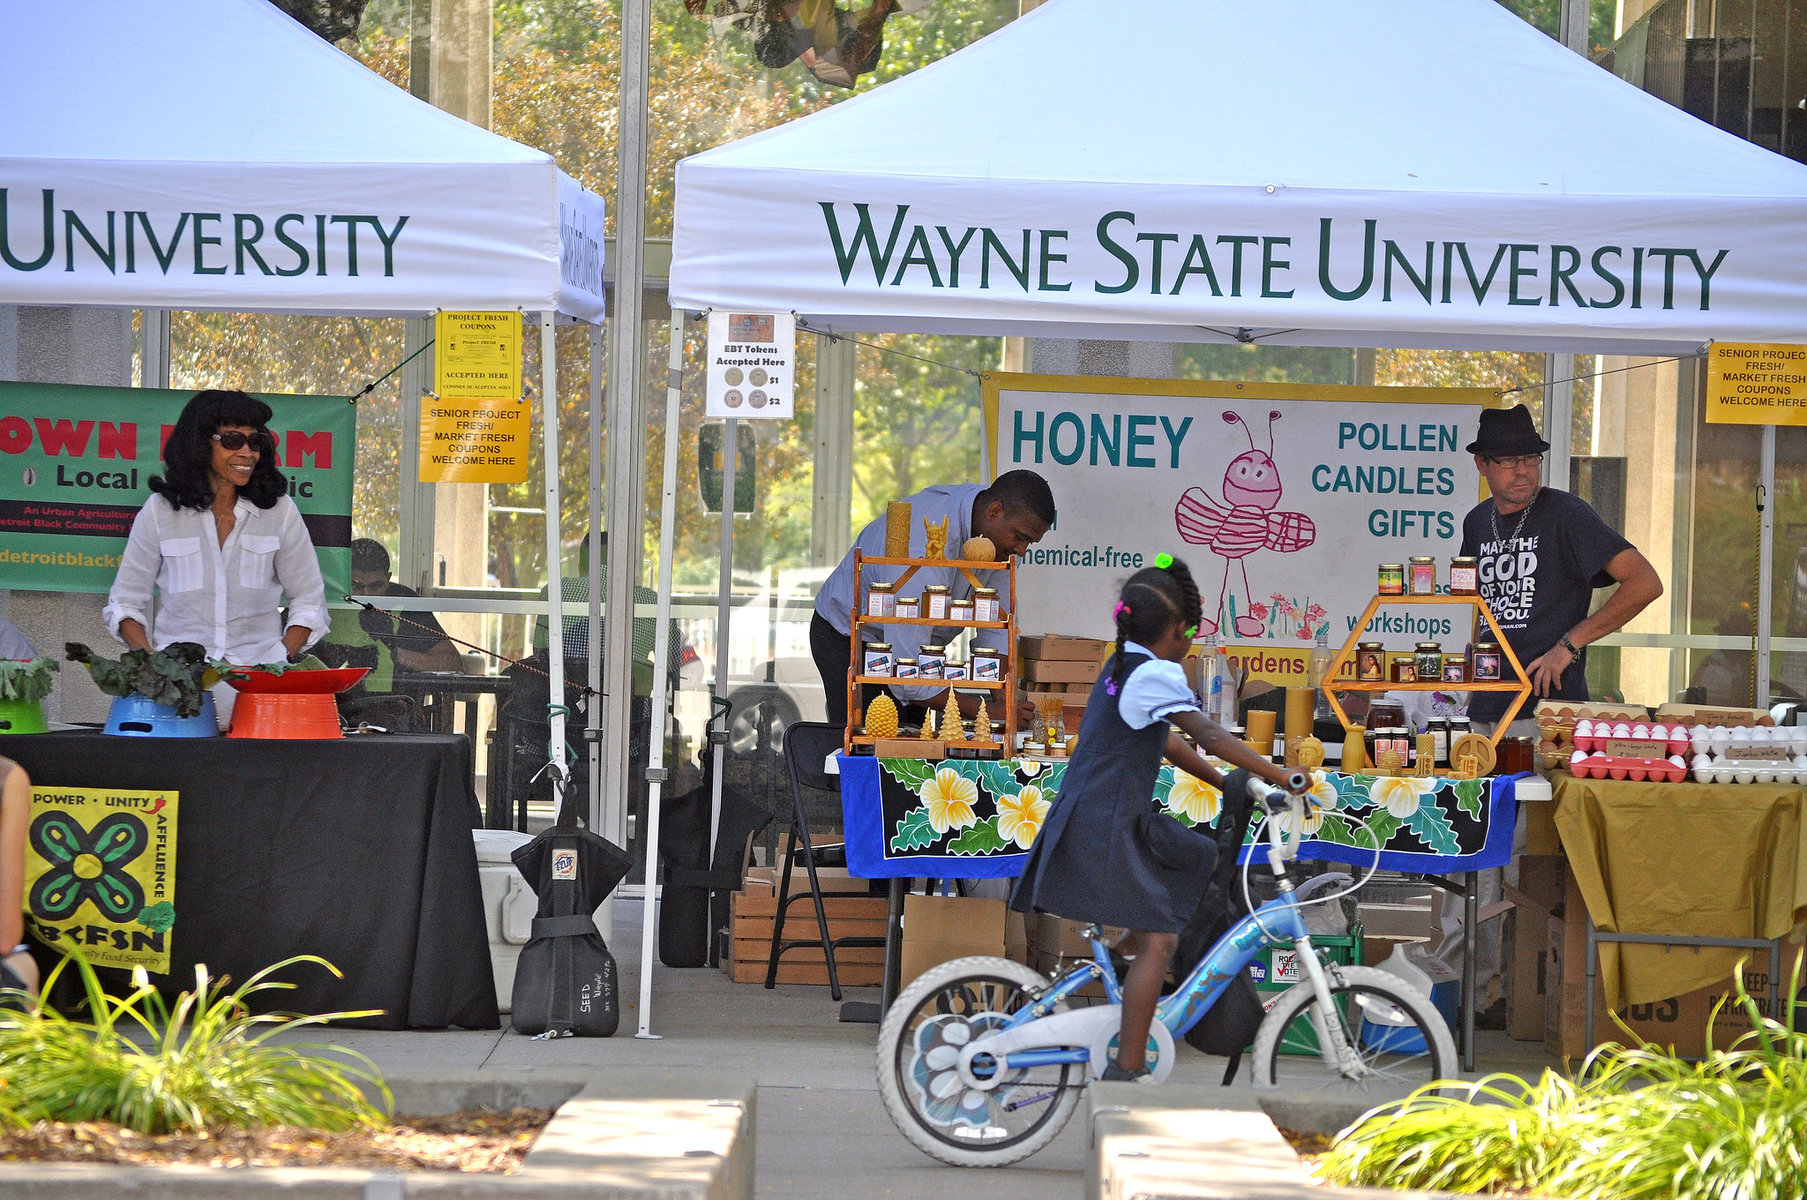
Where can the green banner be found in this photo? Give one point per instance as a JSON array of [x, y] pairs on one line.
[[76, 463]]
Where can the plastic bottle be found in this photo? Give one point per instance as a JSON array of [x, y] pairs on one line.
[[1214, 685], [1319, 669]]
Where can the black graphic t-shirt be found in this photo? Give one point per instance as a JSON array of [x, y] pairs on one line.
[[1539, 583]]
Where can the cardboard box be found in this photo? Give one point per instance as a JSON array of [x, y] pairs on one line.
[[1400, 920], [1679, 1022], [1538, 896], [1709, 714], [939, 928], [815, 974], [1059, 671], [1378, 947], [1060, 646], [764, 881]]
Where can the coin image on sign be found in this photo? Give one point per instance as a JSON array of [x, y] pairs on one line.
[[31, 477], [758, 377], [756, 398], [732, 397], [733, 376]]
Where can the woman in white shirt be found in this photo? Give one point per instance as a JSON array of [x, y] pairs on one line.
[[221, 543]]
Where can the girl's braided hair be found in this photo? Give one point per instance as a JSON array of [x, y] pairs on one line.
[[1152, 600]]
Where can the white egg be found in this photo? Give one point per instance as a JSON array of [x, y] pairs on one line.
[[1743, 775], [1621, 730], [1660, 732], [1577, 758], [1678, 760], [1701, 760], [1699, 742], [1722, 774], [1740, 735], [1640, 731], [1703, 775], [1763, 774], [1584, 728], [1720, 737], [1697, 731]]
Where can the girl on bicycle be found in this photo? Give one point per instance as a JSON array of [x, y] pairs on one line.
[[1105, 853]]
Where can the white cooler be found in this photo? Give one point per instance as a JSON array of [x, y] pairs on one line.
[[508, 904]]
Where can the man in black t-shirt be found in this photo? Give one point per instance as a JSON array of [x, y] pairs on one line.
[[386, 642], [1541, 553]]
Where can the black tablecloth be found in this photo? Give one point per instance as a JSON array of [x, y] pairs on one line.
[[358, 851]]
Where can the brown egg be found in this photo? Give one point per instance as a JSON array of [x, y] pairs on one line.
[[1548, 747], [1566, 711], [1766, 719]]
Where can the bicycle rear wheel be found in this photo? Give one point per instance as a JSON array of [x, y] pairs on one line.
[[919, 1045], [1400, 1039]]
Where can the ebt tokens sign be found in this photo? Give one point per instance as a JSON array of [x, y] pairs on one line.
[[751, 361], [1283, 500]]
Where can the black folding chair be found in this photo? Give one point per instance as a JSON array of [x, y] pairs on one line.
[[814, 792]]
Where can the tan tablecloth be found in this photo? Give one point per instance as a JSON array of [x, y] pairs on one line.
[[1694, 859]]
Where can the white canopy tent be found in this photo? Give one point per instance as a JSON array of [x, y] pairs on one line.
[[219, 156], [1397, 173], [215, 155], [1517, 196]]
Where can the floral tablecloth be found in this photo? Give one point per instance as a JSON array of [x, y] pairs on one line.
[[976, 819]]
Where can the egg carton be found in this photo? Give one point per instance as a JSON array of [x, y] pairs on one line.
[[1592, 736], [1707, 769], [1789, 741], [1598, 765]]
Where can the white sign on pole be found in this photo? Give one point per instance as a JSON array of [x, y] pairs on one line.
[[751, 356], [1282, 500]]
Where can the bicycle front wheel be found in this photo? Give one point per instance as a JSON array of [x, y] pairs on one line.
[[1401, 1041], [919, 1047]]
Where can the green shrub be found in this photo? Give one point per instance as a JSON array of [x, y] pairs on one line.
[[203, 1061], [1641, 1124]]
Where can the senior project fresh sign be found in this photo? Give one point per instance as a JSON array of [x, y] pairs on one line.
[[76, 463], [1281, 499]]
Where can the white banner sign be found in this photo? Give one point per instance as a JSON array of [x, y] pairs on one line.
[[751, 355], [1283, 500]]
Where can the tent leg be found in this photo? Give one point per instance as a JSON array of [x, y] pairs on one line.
[[599, 821], [724, 610], [555, 590], [655, 753]]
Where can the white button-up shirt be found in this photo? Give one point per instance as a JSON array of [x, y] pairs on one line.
[[227, 598]]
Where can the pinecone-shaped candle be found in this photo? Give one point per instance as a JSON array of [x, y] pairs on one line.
[[982, 724], [952, 729], [928, 726], [881, 718]]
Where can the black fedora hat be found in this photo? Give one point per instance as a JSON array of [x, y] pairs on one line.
[[1505, 432]]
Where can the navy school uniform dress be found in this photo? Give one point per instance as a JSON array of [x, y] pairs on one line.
[[1105, 852]]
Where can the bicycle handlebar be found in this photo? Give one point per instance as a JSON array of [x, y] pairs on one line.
[[1263, 791]]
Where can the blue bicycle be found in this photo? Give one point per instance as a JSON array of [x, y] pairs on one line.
[[981, 1060]]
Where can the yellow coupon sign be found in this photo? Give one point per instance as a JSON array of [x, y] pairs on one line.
[[477, 355], [100, 874], [1751, 383], [474, 441]]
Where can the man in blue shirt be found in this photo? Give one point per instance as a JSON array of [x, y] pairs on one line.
[[1015, 511]]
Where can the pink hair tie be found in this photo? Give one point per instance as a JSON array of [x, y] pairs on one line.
[[1117, 612]]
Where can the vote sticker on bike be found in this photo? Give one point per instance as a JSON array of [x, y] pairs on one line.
[[1286, 967]]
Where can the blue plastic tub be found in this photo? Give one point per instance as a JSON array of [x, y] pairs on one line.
[[139, 716]]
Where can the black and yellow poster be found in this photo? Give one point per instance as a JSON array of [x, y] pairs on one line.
[[100, 873]]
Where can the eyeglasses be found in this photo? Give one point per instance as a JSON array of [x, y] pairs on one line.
[[1516, 461], [260, 441]]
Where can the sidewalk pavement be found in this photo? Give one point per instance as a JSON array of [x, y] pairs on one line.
[[821, 1131]]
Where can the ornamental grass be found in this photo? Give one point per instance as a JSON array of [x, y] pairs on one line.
[[1640, 1124], [202, 1061]]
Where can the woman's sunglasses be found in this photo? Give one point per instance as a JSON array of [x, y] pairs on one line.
[[232, 439]]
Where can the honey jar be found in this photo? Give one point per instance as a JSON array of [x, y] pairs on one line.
[[985, 604], [881, 600], [1485, 667], [1430, 661], [1402, 668], [909, 608], [935, 602], [1370, 662], [1392, 579], [1464, 577], [1423, 575], [878, 661]]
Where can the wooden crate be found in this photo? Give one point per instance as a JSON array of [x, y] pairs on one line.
[[852, 974]]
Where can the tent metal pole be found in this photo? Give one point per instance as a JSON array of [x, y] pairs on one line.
[[555, 589], [655, 752], [626, 408], [1766, 549], [593, 710], [1558, 418], [724, 612]]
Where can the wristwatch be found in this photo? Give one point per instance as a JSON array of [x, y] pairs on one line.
[[1569, 646]]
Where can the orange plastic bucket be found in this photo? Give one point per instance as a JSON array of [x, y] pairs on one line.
[[280, 715]]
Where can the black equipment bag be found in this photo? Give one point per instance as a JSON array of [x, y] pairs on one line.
[[565, 983], [1229, 1027]]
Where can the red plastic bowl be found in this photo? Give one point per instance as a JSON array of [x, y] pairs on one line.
[[328, 681]]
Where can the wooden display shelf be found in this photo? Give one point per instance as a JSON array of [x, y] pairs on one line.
[[887, 680], [851, 737], [935, 621], [1332, 685]]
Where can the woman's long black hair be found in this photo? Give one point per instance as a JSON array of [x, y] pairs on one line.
[[188, 453], [1152, 600]]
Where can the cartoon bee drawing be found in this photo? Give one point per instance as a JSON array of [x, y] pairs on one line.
[[1242, 524]]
